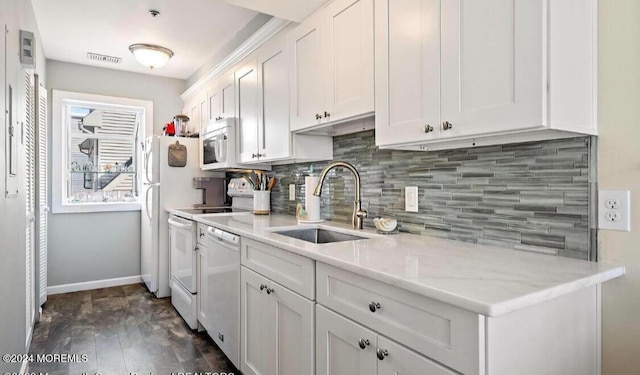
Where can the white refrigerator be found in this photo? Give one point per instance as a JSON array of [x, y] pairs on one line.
[[164, 187]]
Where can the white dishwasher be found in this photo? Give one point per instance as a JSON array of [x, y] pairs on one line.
[[220, 290]]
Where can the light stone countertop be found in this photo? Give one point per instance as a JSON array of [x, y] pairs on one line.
[[487, 280]]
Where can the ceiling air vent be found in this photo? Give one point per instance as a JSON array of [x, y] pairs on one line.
[[103, 58]]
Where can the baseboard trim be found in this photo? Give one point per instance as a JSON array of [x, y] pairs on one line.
[[90, 285]]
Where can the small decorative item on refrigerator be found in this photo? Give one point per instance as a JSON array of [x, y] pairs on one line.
[[180, 122]]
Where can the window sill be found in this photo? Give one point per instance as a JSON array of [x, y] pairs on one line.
[[96, 207]]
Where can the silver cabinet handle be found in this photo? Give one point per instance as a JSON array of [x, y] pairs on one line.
[[381, 353], [262, 287], [270, 290], [428, 128], [201, 233], [326, 114], [373, 306], [363, 343], [447, 125], [318, 117]]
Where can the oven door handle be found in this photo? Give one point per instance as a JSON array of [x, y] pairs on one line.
[[179, 224]]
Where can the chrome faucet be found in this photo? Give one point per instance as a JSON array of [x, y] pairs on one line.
[[358, 213]]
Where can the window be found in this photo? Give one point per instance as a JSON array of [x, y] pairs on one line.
[[96, 151]]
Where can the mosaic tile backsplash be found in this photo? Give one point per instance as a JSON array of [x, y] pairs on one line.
[[528, 196]]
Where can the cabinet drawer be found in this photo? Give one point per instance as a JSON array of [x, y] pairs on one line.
[[450, 335], [286, 268]]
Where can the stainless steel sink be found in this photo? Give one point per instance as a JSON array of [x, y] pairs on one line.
[[318, 235]]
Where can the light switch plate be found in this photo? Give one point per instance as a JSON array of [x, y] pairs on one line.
[[292, 192], [411, 198], [614, 211]]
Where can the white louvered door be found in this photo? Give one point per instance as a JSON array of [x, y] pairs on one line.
[[42, 208], [29, 181]]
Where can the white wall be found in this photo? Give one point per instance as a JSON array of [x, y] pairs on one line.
[[16, 15], [98, 246], [619, 168]]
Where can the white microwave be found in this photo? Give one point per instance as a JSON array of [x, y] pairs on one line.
[[218, 146]]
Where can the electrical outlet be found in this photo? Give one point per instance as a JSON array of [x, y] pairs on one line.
[[614, 210], [411, 198], [292, 192]]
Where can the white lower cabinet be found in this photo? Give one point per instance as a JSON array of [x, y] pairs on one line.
[[277, 328], [346, 347]]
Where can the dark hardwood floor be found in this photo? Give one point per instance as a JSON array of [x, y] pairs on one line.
[[122, 330]]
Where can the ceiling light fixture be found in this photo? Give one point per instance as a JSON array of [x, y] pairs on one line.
[[150, 55]]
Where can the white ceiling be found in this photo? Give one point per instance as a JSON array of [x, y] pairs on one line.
[[193, 29], [292, 10]]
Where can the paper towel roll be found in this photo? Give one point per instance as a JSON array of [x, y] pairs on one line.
[[312, 203]]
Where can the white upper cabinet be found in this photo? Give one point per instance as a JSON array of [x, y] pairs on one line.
[[491, 72], [331, 65], [221, 98], [467, 73], [269, 139], [196, 110], [407, 70], [227, 95], [246, 78], [307, 101], [214, 102], [348, 59], [273, 79]]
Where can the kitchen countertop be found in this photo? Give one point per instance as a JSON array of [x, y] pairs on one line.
[[487, 280]]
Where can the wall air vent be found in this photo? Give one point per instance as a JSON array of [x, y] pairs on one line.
[[103, 58]]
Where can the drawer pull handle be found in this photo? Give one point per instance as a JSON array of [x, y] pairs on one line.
[[270, 290], [381, 353], [373, 306], [447, 125], [262, 286], [363, 343], [201, 233], [428, 128], [318, 117]]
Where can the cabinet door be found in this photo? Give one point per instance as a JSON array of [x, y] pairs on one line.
[[214, 103], [400, 360], [338, 350], [204, 116], [273, 126], [193, 112], [227, 95], [247, 109], [492, 65], [294, 322], [348, 48], [306, 73], [407, 92], [258, 346]]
